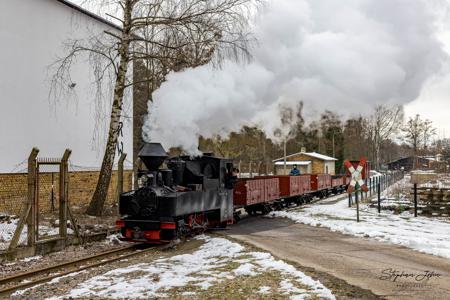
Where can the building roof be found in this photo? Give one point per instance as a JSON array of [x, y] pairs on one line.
[[295, 162], [90, 14], [310, 154], [407, 158]]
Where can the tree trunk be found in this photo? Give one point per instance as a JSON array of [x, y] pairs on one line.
[[101, 191]]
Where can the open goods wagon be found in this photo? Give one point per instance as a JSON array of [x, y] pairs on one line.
[[294, 188], [255, 193], [320, 184]]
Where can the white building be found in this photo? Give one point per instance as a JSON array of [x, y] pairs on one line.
[[32, 35], [306, 162]]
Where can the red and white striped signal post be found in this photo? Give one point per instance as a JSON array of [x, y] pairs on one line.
[[358, 174]]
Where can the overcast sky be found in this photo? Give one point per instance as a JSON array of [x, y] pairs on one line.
[[349, 54]]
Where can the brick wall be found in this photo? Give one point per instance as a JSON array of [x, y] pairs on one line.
[[13, 189]]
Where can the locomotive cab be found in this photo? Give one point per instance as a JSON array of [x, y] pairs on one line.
[[190, 195]]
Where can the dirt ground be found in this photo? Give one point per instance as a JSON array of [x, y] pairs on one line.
[[343, 261], [242, 287]]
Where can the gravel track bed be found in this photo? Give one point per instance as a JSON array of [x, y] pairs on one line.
[[8, 268], [63, 284]]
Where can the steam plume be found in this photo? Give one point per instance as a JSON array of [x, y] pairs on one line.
[[344, 56]]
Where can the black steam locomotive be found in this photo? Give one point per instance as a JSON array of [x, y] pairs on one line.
[[190, 195]]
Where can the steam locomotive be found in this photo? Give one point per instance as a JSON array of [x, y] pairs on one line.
[[192, 194]]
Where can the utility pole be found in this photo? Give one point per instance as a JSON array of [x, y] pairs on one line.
[[264, 152], [333, 145]]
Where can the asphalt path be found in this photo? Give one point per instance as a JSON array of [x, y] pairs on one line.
[[389, 271]]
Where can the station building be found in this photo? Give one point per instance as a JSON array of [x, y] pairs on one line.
[[307, 162]]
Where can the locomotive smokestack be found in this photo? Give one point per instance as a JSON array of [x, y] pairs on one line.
[[152, 155]]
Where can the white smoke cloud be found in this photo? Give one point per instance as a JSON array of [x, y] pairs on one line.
[[344, 56]]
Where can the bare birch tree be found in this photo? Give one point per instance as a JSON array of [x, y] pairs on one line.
[[163, 36], [428, 132], [418, 132], [381, 126]]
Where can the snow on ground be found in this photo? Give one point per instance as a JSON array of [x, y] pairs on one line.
[[428, 235], [7, 229], [202, 269]]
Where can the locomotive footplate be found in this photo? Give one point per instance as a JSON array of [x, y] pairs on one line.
[[146, 230], [142, 225]]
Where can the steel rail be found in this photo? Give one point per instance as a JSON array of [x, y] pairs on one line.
[[9, 290]]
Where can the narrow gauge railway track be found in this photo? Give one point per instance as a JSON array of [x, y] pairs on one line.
[[10, 284]]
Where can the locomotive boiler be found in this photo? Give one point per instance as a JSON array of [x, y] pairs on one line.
[[188, 194]]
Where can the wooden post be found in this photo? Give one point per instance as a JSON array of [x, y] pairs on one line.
[[32, 194], [379, 197], [63, 193], [415, 199], [120, 175], [28, 214]]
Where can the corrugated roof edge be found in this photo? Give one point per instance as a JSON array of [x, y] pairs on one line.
[[90, 14], [312, 154]]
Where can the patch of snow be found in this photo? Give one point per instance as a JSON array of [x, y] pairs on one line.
[[245, 270], [427, 235], [200, 268], [268, 262], [8, 228], [263, 290], [289, 288], [58, 279], [114, 239], [27, 259], [188, 293]]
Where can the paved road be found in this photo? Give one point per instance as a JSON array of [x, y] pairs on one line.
[[358, 261]]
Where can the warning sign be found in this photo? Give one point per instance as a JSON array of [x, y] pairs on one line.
[[357, 174]]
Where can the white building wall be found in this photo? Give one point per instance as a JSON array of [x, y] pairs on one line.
[[32, 33], [329, 167]]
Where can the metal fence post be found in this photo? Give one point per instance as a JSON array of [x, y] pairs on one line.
[[379, 197], [415, 199]]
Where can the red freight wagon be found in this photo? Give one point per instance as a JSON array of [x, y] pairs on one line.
[[305, 183], [256, 190], [272, 189], [292, 185], [284, 184], [337, 181], [248, 192], [320, 182]]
